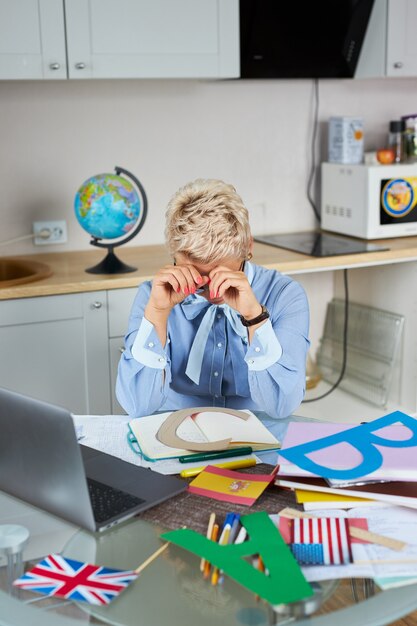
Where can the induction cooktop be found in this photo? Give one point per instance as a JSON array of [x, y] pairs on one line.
[[316, 243]]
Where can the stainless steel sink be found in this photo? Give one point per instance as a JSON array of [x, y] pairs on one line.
[[21, 271]]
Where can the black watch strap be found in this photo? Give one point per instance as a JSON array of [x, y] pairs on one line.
[[255, 320]]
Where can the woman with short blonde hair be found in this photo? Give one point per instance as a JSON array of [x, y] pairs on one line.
[[212, 328], [207, 220]]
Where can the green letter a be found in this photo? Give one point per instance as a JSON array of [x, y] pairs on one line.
[[285, 581]]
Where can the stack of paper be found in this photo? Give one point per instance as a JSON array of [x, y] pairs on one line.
[[373, 560], [313, 500]]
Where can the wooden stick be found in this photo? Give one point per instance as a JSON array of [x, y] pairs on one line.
[[153, 556]]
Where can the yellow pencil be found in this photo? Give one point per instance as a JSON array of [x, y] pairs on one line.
[[214, 536], [194, 471], [212, 519]]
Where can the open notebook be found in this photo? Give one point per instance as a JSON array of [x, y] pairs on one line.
[[203, 426]]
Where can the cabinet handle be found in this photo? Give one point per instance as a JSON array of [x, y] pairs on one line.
[[96, 305], [398, 65], [55, 66], [80, 66]]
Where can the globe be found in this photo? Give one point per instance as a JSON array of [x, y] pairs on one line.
[[107, 206], [111, 207]]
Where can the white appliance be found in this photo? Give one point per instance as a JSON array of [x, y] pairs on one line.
[[369, 201]]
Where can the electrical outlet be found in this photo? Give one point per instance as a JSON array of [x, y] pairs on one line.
[[50, 232]]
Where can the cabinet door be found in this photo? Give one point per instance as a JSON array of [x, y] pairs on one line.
[[116, 347], [55, 349], [32, 39], [152, 38], [119, 303], [402, 39]]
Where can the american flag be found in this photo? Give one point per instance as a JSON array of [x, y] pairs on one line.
[[75, 580], [331, 533]]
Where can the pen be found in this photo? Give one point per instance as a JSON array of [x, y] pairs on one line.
[[223, 540], [219, 454], [235, 528], [194, 471]]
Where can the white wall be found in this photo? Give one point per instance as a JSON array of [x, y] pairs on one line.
[[254, 134]]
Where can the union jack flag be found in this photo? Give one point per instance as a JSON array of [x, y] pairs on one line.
[[328, 538], [75, 580]]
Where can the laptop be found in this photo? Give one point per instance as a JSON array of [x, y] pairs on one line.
[[42, 463]]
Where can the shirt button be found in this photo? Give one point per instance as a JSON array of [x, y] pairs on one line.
[[251, 361], [215, 395], [257, 349], [161, 359], [215, 373], [218, 316], [151, 344], [219, 345]]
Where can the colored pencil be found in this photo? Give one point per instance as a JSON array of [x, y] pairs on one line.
[[214, 536], [212, 519]]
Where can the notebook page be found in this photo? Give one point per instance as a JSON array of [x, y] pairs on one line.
[[223, 425]]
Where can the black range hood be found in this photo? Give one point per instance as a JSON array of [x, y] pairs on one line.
[[302, 38]]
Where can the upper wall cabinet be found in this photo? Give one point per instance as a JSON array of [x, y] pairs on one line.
[[402, 42], [152, 38], [32, 39], [390, 46], [119, 39]]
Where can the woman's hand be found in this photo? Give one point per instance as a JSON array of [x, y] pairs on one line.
[[234, 288], [172, 284]]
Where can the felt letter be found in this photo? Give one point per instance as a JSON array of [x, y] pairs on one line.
[[284, 582], [361, 437]]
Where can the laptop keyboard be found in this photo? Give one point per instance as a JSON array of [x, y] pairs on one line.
[[108, 502]]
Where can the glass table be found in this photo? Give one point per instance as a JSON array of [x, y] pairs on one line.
[[171, 590]]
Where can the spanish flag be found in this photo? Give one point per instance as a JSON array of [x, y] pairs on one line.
[[230, 486]]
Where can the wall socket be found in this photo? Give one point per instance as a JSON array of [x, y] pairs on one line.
[[50, 232]]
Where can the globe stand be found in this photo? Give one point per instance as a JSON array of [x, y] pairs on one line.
[[111, 264]]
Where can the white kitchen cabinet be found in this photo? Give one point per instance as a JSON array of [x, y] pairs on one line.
[[152, 38], [390, 45], [55, 348], [401, 38], [119, 39], [119, 304], [32, 39]]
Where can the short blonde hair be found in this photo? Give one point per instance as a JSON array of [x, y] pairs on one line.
[[207, 220]]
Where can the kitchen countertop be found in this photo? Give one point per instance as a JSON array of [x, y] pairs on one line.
[[69, 275]]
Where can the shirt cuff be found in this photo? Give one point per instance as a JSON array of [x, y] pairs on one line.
[[147, 349], [264, 350]]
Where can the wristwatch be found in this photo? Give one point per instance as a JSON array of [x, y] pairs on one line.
[[255, 320]]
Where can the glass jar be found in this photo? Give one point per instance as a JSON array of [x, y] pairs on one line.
[[396, 140], [410, 137]]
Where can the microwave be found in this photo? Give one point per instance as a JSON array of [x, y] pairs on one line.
[[369, 201]]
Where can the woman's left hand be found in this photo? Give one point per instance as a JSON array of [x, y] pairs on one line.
[[234, 288]]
